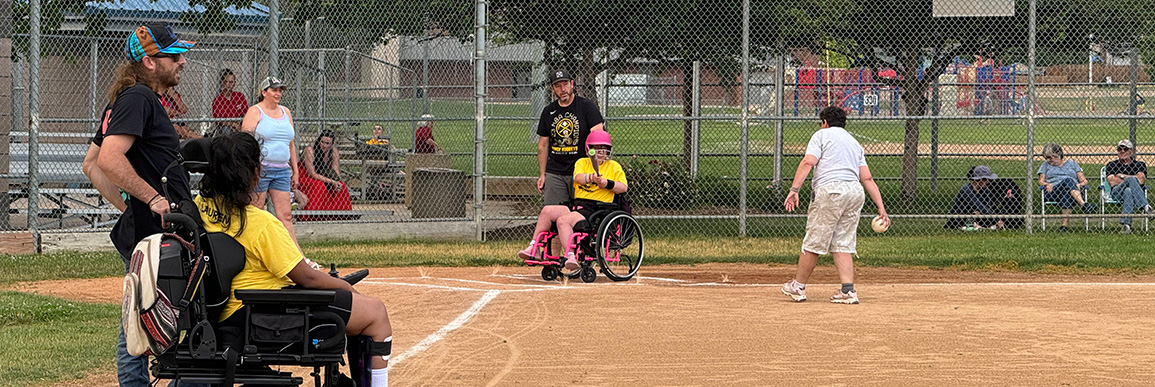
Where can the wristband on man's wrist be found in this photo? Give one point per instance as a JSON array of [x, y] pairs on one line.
[[609, 184], [150, 201], [794, 189]]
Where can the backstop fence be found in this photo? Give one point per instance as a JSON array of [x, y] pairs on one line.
[[433, 106]]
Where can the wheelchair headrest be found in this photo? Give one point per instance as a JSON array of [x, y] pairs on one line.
[[196, 154]]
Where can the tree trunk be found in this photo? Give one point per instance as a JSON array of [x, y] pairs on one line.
[[586, 84], [914, 96], [687, 111]]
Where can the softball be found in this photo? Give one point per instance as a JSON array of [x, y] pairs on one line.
[[877, 225]]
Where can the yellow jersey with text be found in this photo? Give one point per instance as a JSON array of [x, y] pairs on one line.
[[610, 169], [269, 249]]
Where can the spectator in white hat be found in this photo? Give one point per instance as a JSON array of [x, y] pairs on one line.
[[1126, 177]]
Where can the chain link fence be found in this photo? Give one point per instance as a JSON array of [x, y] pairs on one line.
[[710, 103]]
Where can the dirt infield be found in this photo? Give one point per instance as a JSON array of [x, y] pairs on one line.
[[727, 324]]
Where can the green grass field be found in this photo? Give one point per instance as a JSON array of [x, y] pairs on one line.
[[36, 327], [633, 135]]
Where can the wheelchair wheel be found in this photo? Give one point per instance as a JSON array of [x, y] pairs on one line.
[[588, 274], [619, 246], [549, 273]]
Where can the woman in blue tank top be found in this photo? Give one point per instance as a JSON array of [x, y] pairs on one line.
[[272, 125]]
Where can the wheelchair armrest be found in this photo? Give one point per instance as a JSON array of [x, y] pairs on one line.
[[285, 296]]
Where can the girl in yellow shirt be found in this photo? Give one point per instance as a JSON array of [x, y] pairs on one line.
[[272, 259], [591, 186]]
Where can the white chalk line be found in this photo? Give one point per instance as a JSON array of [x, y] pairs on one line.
[[678, 282], [460, 321]]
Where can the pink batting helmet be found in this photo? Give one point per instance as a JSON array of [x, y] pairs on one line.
[[598, 137]]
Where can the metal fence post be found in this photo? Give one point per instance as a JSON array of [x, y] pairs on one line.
[[274, 38], [744, 143], [34, 129], [348, 87], [6, 58], [696, 123], [934, 111], [1134, 100], [93, 58], [479, 119], [779, 89], [321, 78], [1030, 118]]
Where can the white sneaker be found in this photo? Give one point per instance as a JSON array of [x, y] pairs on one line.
[[845, 298], [571, 262], [1147, 209], [795, 290]]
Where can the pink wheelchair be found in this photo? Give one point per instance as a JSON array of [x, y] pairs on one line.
[[611, 237]]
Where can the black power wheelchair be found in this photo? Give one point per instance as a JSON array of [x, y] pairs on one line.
[[287, 327]]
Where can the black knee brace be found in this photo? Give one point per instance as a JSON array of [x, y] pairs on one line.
[[382, 348], [362, 349]]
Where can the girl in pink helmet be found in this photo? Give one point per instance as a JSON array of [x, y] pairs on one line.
[[592, 185]]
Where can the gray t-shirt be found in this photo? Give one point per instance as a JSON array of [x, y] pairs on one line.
[[1054, 175], [839, 156]]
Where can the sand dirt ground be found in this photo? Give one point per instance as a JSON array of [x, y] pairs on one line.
[[728, 324]]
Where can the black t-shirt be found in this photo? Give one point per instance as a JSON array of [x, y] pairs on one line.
[[1116, 166], [138, 112], [567, 129]]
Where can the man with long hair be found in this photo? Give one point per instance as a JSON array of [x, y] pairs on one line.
[[137, 142]]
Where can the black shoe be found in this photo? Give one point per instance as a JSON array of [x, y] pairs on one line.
[[1088, 208], [1125, 229], [1063, 229]]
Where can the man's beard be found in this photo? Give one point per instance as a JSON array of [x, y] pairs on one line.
[[169, 78]]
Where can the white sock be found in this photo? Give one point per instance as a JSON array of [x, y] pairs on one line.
[[381, 377]]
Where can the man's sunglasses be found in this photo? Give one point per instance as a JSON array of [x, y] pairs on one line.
[[1122, 148], [174, 57]]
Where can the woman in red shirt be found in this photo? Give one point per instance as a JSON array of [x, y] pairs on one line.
[[229, 104]]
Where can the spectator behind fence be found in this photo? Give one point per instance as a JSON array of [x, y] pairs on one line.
[[1126, 177], [321, 178], [423, 139], [175, 107], [974, 198], [379, 136], [1062, 181], [272, 124], [229, 104]]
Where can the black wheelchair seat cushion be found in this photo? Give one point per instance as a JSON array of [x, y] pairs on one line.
[[582, 226]]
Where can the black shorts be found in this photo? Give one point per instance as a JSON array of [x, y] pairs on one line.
[[342, 306], [585, 207]]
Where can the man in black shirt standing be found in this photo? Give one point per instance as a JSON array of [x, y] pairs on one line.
[[564, 125], [137, 142], [1126, 177]]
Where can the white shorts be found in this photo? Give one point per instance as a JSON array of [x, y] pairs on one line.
[[832, 223]]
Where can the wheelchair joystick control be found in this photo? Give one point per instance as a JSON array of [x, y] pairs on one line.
[[333, 269]]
